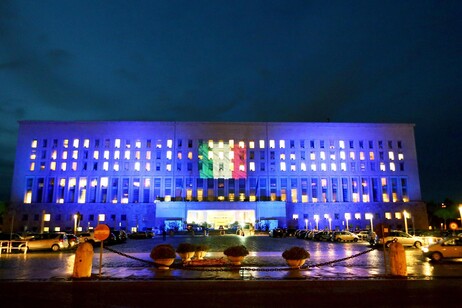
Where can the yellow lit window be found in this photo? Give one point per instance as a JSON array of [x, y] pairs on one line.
[[282, 156], [64, 155], [221, 144], [262, 144], [231, 143], [211, 144], [63, 166], [342, 155], [272, 144], [34, 144], [54, 154], [66, 143], [148, 166], [168, 167], [362, 156], [371, 155], [392, 166], [74, 166], [32, 166], [137, 155], [148, 154], [190, 155], [352, 155], [96, 154], [53, 165], [75, 143], [241, 167], [241, 144], [391, 155], [400, 156], [313, 156], [86, 143], [292, 156], [251, 144], [169, 143], [33, 155], [75, 154]]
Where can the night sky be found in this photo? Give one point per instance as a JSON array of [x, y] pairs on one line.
[[304, 61]]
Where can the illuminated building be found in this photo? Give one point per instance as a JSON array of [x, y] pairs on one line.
[[137, 175]]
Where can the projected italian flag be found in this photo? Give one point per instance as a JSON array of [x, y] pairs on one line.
[[222, 162]]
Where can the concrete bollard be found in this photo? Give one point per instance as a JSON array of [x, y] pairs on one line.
[[398, 265], [83, 261]]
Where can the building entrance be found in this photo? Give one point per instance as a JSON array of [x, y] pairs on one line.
[[217, 218]]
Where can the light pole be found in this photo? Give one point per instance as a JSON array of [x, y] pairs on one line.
[[330, 224], [306, 224], [347, 218], [75, 223], [460, 212], [316, 219], [370, 217], [326, 216], [405, 221]]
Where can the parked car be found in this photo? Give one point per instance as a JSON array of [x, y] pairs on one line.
[[48, 241], [344, 236], [10, 237], [87, 237], [140, 235], [363, 235], [450, 247], [323, 236], [277, 232], [120, 235], [73, 240], [401, 237]]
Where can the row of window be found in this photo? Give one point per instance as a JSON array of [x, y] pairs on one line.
[[147, 189], [158, 143]]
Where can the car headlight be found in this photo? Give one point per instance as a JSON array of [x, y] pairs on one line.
[[425, 249]]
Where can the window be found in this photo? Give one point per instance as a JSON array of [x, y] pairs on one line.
[[262, 144]]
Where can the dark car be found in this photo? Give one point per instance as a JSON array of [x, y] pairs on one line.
[[140, 235], [73, 240], [323, 236], [277, 232], [120, 235]]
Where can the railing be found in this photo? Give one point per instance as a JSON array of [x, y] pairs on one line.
[[10, 246]]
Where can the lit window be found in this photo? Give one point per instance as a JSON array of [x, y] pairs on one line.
[[293, 167], [283, 166], [210, 155], [63, 166], [391, 155], [312, 155], [168, 167], [400, 156], [241, 144], [137, 166], [190, 155], [86, 143], [388, 215], [392, 166], [53, 165], [65, 143], [357, 215], [341, 144], [148, 166], [322, 155], [127, 154], [105, 166], [75, 144], [323, 167], [74, 166], [148, 154], [313, 167], [231, 143], [241, 167], [332, 155], [127, 144], [352, 155], [138, 144], [64, 155], [96, 154], [32, 166], [303, 166], [231, 155], [251, 144], [75, 154], [333, 166], [33, 155], [117, 143], [282, 156], [116, 166], [252, 166], [343, 166], [362, 156], [292, 156], [116, 154], [262, 144], [221, 155], [382, 166], [169, 154], [282, 144], [371, 155], [34, 144], [106, 154], [342, 155], [272, 144], [169, 143], [211, 144]]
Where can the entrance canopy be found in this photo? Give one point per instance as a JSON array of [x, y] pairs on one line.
[[217, 218]]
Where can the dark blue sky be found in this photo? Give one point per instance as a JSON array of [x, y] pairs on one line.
[[347, 61]]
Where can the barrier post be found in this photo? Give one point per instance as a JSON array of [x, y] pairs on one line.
[[83, 261], [397, 257]]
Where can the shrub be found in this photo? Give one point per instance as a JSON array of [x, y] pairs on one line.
[[201, 247], [236, 251], [295, 253], [185, 247], [163, 251]]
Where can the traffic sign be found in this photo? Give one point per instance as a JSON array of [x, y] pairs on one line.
[[102, 232]]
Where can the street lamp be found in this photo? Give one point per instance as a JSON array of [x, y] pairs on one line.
[[306, 224], [460, 212], [75, 223], [347, 218], [405, 221], [330, 224], [326, 216], [370, 217], [316, 219]]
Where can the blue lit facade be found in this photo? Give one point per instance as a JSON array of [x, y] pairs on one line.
[[138, 175]]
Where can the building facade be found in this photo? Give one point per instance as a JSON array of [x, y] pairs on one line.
[[146, 175]]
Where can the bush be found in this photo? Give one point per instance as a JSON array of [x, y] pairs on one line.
[[185, 247], [201, 247], [163, 251], [236, 251], [295, 253]]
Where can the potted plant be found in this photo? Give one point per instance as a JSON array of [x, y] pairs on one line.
[[164, 255], [186, 251], [200, 251], [295, 256], [236, 254]]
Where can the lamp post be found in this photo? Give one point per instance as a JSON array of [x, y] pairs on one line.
[[330, 224], [370, 217], [306, 224], [316, 219], [75, 223], [405, 221], [326, 216], [460, 212], [347, 218]]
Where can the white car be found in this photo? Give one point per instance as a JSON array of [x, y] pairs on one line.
[[363, 235], [401, 237], [445, 249], [345, 236]]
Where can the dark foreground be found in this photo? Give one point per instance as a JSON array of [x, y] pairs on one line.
[[346, 293]]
